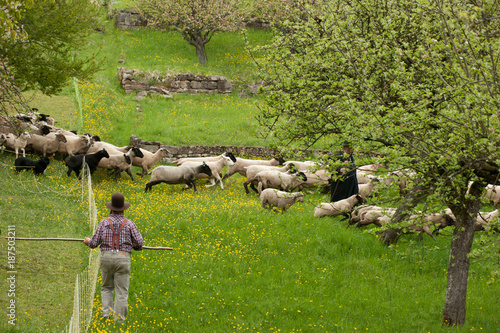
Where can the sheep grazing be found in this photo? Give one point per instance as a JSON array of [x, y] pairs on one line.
[[184, 174], [75, 163], [149, 159], [341, 207], [283, 200], [241, 163], [121, 162], [216, 167], [25, 163], [280, 180], [46, 144]]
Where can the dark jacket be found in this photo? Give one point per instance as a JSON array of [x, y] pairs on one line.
[[347, 185]]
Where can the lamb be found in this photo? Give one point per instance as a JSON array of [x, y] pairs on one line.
[[47, 144], [75, 144], [367, 214], [149, 159], [241, 163], [184, 174], [25, 163], [20, 143], [283, 200], [121, 162], [253, 170], [280, 180], [216, 167], [75, 163], [341, 207], [183, 160]]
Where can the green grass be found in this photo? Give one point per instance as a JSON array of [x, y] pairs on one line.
[[235, 266]]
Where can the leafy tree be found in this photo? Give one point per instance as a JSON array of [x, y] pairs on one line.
[[198, 20], [49, 55], [417, 81], [10, 13]]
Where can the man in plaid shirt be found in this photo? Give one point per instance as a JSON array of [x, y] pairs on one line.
[[117, 236]]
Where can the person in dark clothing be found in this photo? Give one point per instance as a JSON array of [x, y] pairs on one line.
[[347, 183]]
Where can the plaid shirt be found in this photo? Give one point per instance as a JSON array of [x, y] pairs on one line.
[[130, 237]]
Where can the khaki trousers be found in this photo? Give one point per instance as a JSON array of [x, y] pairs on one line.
[[115, 273]]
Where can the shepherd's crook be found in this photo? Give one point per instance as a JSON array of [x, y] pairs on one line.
[[80, 240]]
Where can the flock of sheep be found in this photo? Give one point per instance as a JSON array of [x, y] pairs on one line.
[[275, 180]]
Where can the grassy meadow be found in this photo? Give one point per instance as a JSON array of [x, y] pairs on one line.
[[235, 266]]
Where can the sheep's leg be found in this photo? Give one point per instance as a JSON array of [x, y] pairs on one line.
[[24, 152], [252, 186], [212, 183], [129, 171], [150, 185]]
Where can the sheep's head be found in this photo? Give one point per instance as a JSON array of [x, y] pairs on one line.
[[231, 156], [137, 152], [205, 169], [280, 160], [301, 176], [228, 160], [104, 153]]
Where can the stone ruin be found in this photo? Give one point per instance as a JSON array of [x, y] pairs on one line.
[[178, 83]]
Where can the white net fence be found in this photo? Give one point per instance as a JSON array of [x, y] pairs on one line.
[[85, 284]]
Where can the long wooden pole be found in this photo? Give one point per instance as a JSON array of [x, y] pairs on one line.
[[80, 240]]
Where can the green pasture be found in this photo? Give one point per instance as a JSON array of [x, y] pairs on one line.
[[235, 266]]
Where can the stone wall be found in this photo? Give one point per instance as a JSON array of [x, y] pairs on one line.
[[201, 151], [178, 83], [129, 19]]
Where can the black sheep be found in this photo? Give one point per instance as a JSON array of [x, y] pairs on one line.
[[75, 163], [25, 163]]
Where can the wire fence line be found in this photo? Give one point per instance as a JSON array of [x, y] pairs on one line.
[[86, 281]]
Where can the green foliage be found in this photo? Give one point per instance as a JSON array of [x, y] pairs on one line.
[[49, 55]]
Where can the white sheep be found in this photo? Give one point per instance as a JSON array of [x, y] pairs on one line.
[[110, 148], [341, 207], [493, 194], [319, 178], [120, 162], [215, 166], [183, 160], [241, 163], [20, 143], [46, 144], [304, 166], [253, 170], [482, 221], [280, 180], [365, 190], [183, 174], [283, 200], [75, 144], [149, 159]]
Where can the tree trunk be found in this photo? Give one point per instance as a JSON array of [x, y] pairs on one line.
[[414, 196], [458, 266], [200, 52]]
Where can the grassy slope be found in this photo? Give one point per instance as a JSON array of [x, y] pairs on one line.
[[235, 266]]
